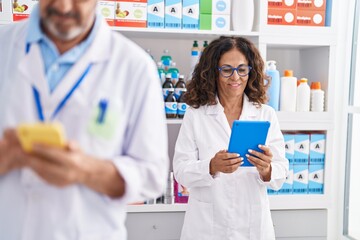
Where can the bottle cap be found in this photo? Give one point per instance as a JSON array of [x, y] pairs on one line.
[[181, 76], [315, 85], [303, 80], [271, 65], [195, 44], [288, 73]]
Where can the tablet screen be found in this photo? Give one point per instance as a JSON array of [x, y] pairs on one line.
[[247, 135]]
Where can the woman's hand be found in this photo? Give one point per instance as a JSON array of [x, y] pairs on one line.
[[225, 162], [262, 161]]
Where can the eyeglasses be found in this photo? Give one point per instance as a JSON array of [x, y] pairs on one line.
[[227, 71]]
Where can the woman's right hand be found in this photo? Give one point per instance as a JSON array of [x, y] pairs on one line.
[[225, 162]]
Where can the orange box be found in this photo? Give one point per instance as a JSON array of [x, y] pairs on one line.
[[310, 18], [282, 4], [312, 5], [131, 13], [281, 16]]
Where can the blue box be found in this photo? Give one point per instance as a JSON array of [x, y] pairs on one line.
[[302, 149], [316, 179], [173, 13], [287, 187], [301, 179], [190, 14], [289, 147], [156, 14], [317, 148]]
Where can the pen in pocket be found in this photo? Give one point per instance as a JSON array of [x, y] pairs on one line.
[[102, 111]]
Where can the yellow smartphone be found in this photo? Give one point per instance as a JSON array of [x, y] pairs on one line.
[[51, 134]]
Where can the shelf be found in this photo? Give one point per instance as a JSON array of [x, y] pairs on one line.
[[294, 121], [163, 33], [277, 202], [157, 208]]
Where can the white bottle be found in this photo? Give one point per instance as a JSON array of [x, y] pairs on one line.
[[195, 54], [242, 15], [288, 88], [317, 97], [303, 96]]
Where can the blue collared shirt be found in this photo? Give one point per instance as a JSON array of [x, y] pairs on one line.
[[56, 65]]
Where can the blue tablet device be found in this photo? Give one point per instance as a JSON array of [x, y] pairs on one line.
[[247, 135]]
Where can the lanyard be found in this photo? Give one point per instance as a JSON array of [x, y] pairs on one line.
[[63, 102]]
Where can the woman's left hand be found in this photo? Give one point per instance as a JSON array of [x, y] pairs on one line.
[[262, 161]]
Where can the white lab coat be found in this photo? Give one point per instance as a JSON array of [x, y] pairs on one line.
[[124, 75], [227, 206]]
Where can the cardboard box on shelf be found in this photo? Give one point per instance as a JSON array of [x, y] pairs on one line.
[[281, 16], [21, 9], [131, 13], [310, 18], [107, 10], [311, 5], [156, 14], [282, 4]]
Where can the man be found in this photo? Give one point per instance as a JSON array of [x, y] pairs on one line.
[[65, 65]]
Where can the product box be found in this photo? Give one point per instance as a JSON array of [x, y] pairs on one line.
[[190, 14], [271, 191], [214, 22], [156, 14], [310, 18], [181, 193], [316, 179], [22, 8], [302, 149], [289, 147], [107, 10], [282, 4], [287, 187], [281, 16], [131, 13], [173, 13], [301, 179], [6, 11], [215, 7], [317, 149], [311, 5]]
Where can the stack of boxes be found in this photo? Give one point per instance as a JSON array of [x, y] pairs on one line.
[[297, 12], [306, 155], [215, 15]]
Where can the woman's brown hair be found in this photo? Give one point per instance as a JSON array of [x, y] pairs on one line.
[[202, 88]]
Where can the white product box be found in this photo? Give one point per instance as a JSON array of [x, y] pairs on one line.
[[301, 153], [156, 14], [301, 179], [107, 10], [173, 13], [316, 179], [317, 148], [289, 147], [131, 13], [220, 22], [222, 7], [190, 14], [21, 9], [287, 187]]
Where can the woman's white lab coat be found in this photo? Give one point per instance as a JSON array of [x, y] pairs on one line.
[[227, 206], [133, 136]]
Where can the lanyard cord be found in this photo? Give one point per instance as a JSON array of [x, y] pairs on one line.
[[63, 102]]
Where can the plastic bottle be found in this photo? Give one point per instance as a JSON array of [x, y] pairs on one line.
[[166, 60], [181, 105], [205, 44], [167, 86], [180, 86], [317, 97], [288, 92], [174, 72], [274, 89], [195, 54], [303, 96], [170, 105], [161, 72], [242, 15]]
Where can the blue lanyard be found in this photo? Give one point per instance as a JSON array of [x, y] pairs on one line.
[[63, 102]]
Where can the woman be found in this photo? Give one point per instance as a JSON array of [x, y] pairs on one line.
[[227, 201]]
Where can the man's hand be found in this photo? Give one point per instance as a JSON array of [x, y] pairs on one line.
[[11, 154]]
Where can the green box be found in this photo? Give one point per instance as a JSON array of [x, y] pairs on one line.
[[205, 21], [206, 6]]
